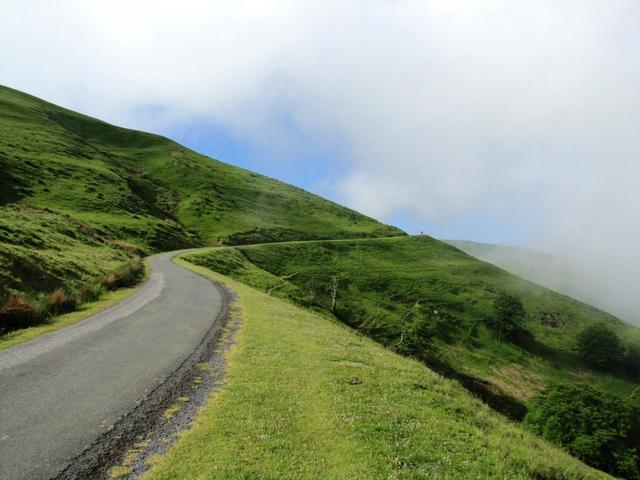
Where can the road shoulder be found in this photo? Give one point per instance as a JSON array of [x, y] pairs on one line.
[[152, 426]]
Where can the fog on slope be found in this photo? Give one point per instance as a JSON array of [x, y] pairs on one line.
[[444, 112], [594, 283]]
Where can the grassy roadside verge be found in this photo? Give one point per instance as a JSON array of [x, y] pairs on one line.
[[306, 397], [107, 299]]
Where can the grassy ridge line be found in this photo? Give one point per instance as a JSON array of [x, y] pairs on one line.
[[307, 398], [118, 178]]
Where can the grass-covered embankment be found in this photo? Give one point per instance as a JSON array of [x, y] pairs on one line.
[[306, 397], [42, 250], [51, 266], [426, 299], [107, 299]]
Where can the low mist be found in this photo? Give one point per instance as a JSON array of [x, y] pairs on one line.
[[593, 284]]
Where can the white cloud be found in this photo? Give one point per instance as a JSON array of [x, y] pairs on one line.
[[448, 109]]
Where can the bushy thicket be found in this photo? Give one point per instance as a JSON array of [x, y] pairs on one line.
[[600, 347], [59, 302], [416, 338], [89, 293], [20, 311], [600, 429], [507, 316], [632, 361]]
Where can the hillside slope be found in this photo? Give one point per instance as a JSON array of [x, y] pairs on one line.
[[126, 189], [557, 273], [306, 398], [426, 299]]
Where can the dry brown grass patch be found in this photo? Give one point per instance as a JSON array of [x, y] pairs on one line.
[[19, 312], [517, 382], [110, 281], [59, 302]]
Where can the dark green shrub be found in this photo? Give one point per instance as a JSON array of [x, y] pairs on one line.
[[508, 313], [89, 293], [18, 311], [598, 428], [632, 360], [600, 347], [59, 302], [416, 338]]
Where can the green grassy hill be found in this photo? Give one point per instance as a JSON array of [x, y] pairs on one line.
[[117, 189], [306, 398], [426, 299]]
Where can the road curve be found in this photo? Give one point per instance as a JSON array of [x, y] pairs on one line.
[[63, 390]]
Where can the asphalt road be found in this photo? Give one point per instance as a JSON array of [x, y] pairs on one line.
[[61, 391]]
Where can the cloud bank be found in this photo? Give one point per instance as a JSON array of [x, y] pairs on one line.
[[524, 114]]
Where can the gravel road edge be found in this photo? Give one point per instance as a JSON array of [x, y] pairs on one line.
[[147, 423]]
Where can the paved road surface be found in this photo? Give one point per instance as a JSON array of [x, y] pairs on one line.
[[60, 391]]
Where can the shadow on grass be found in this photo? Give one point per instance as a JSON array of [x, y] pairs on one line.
[[487, 392], [568, 360], [11, 190]]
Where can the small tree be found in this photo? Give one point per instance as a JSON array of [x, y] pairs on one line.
[[600, 347], [416, 338], [632, 360], [508, 313]]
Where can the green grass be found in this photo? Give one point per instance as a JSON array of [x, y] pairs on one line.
[[387, 285], [41, 250], [148, 190], [79, 197], [306, 397]]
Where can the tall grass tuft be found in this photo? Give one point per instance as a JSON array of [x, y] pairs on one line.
[[18, 311], [110, 281], [89, 293], [126, 247], [127, 275], [59, 302]]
